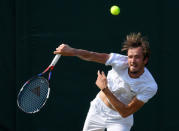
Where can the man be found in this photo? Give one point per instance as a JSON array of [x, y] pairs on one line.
[[127, 87]]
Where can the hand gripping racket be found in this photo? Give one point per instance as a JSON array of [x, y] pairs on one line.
[[35, 92]]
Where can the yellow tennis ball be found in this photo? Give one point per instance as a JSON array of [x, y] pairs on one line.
[[115, 10]]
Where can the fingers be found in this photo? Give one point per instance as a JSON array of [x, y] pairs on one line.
[[101, 73], [98, 73], [101, 81], [60, 48], [62, 45], [55, 52]]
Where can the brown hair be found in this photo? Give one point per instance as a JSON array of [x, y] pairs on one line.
[[134, 40]]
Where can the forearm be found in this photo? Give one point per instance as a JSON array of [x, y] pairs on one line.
[[91, 56], [66, 50], [123, 109], [117, 104]]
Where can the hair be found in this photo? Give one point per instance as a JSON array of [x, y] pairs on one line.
[[134, 40]]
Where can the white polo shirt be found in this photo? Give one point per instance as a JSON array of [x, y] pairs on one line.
[[124, 87]]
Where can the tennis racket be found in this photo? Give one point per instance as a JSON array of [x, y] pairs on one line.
[[35, 92]]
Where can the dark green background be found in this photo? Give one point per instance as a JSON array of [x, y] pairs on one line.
[[30, 30]]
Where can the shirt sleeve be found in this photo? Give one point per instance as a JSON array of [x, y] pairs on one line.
[[147, 93], [117, 61]]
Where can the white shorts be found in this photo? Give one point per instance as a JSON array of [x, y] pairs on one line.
[[97, 120]]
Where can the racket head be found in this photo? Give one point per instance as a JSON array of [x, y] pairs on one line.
[[33, 94]]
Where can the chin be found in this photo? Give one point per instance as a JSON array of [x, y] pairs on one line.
[[134, 71]]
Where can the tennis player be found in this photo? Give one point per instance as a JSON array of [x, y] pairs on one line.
[[127, 87]]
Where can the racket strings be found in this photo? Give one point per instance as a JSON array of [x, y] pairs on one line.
[[33, 95]]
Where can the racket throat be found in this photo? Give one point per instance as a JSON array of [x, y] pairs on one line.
[[51, 68]]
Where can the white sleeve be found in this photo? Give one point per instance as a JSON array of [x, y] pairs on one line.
[[117, 61], [147, 93]]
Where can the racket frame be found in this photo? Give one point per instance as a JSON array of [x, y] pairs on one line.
[[24, 86], [49, 68]]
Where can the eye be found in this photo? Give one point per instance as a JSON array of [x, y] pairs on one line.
[[130, 56], [137, 56]]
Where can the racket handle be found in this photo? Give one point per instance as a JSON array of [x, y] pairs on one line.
[[55, 60]]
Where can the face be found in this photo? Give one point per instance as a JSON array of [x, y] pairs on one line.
[[136, 61]]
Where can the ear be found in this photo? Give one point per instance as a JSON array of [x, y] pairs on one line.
[[146, 60]]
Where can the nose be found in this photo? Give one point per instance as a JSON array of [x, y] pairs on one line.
[[133, 60]]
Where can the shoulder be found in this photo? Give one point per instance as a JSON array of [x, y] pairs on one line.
[[149, 87], [116, 57], [117, 61], [148, 78], [149, 81]]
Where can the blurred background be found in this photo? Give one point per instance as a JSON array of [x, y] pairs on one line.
[[30, 30]]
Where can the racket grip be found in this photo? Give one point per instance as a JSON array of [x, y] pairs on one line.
[[55, 60]]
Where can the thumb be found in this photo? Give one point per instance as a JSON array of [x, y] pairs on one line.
[[55, 52], [103, 72]]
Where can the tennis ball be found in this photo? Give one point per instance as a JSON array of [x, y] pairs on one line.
[[115, 10]]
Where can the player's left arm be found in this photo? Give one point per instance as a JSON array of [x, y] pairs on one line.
[[123, 109]]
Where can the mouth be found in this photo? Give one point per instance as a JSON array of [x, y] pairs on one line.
[[133, 65], [133, 69]]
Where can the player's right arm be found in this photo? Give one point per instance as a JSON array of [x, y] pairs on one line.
[[66, 50]]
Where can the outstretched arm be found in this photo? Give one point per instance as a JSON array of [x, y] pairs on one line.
[[123, 109], [66, 50]]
